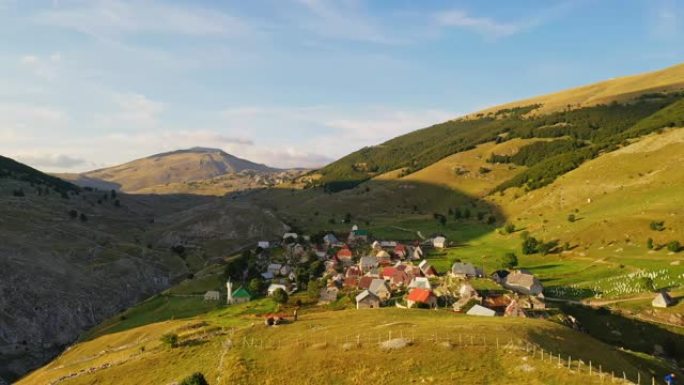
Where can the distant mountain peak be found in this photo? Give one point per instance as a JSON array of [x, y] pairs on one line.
[[183, 165]]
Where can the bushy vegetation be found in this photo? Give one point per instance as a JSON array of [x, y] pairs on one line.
[[585, 132], [657, 225], [280, 296], [194, 379], [12, 169], [510, 260], [674, 246], [532, 245], [170, 340]]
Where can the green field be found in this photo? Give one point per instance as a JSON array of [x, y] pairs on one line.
[[231, 346]]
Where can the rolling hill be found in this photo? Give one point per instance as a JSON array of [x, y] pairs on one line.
[[230, 345], [588, 170], [71, 257], [603, 118], [168, 172]]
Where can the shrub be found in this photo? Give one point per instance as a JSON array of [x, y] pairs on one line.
[[571, 218], [649, 243], [646, 283], [509, 228], [529, 245], [313, 289], [510, 261], [84, 218], [194, 379], [256, 286], [170, 340], [280, 296], [657, 225], [674, 246]]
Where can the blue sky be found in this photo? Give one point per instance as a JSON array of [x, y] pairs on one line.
[[86, 84]]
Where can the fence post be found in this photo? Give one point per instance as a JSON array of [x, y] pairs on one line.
[[639, 378], [569, 361], [590, 367], [497, 343]]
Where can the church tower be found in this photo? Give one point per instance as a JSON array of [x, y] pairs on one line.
[[229, 289]]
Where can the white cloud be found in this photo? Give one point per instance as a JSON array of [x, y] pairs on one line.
[[111, 18], [287, 157], [50, 161], [482, 25], [494, 29], [21, 117], [135, 111], [343, 20], [330, 132], [43, 67], [666, 20], [173, 140]]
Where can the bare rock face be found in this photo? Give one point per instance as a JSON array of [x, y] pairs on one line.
[[42, 311], [61, 274]]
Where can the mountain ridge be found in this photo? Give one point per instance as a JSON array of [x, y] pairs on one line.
[[177, 166]]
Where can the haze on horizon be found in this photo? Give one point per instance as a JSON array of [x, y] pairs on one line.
[[87, 84]]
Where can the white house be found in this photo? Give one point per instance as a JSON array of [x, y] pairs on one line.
[[274, 269], [275, 286], [662, 300], [289, 235], [264, 244], [523, 283], [481, 311], [212, 295], [367, 300], [439, 242], [420, 282]]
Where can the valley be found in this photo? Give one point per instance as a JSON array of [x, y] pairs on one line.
[[581, 192]]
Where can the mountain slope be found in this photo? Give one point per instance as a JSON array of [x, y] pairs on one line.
[[71, 257], [180, 166], [230, 345], [618, 89], [601, 121], [10, 168]]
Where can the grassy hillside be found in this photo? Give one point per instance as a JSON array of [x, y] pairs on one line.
[[15, 170], [72, 257], [231, 346], [618, 89], [594, 130]]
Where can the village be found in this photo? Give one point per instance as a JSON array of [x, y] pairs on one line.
[[384, 273]]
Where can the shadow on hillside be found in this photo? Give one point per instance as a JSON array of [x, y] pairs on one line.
[[395, 210], [578, 348], [629, 333]]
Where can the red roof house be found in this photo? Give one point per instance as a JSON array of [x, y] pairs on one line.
[[365, 282], [421, 296], [344, 254]]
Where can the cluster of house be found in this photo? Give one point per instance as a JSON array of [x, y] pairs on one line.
[[391, 270], [386, 272]]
